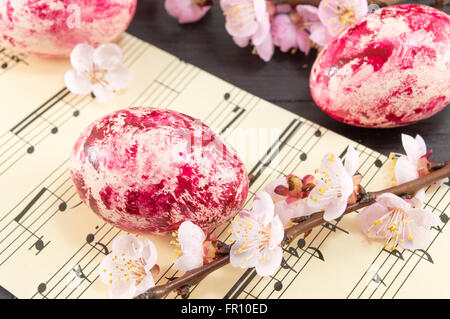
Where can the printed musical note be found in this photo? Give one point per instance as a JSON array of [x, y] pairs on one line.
[[292, 251], [79, 272], [424, 255], [285, 265], [41, 289], [315, 252], [90, 239], [39, 245], [377, 279], [301, 243], [334, 227], [9, 60], [77, 205], [278, 285], [30, 204], [395, 253]]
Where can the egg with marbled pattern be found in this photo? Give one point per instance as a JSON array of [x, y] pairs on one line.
[[391, 68], [147, 170], [54, 27]]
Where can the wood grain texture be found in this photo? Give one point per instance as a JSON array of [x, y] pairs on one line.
[[282, 81]]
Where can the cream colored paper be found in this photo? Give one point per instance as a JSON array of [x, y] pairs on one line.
[[51, 244]]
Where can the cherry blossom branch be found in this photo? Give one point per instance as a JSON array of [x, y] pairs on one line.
[[438, 171]]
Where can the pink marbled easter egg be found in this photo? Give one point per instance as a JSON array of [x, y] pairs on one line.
[[391, 68], [147, 170], [54, 27]]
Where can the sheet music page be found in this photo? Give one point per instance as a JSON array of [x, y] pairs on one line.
[[51, 244]]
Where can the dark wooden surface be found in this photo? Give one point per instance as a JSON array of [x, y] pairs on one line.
[[282, 81]]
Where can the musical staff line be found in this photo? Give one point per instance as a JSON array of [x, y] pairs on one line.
[[35, 124], [9, 60]]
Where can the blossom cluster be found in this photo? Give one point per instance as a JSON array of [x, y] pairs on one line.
[[257, 235], [266, 26]]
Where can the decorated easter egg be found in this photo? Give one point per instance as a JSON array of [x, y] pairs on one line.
[[53, 28], [389, 69], [147, 170]]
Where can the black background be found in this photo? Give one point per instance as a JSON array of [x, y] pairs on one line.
[[283, 81]]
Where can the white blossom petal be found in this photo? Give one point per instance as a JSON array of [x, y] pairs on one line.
[[107, 56], [419, 196], [123, 289], [284, 212], [421, 146], [103, 94], [118, 78], [106, 267], [150, 255], [276, 233], [190, 236], [129, 245], [260, 8], [351, 163], [144, 285], [268, 264], [262, 32], [335, 210], [81, 57], [405, 170], [423, 218], [392, 201], [246, 258], [77, 82], [420, 238], [413, 147], [189, 261], [263, 208], [368, 216], [241, 41]]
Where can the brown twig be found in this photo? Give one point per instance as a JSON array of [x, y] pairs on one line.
[[439, 171]]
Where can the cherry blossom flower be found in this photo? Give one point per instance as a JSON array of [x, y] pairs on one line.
[[394, 220], [97, 70], [334, 185], [186, 11], [190, 239], [128, 268], [258, 235], [249, 20], [289, 194], [287, 36], [414, 164], [307, 17], [297, 29], [338, 14]]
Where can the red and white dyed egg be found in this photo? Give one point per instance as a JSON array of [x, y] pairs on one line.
[[147, 170], [391, 68], [54, 27]]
